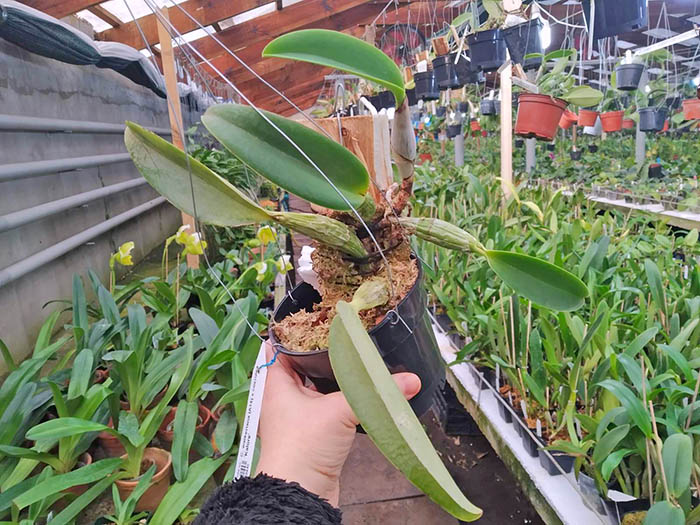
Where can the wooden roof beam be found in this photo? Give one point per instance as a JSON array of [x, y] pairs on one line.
[[282, 79], [105, 15], [61, 8], [207, 12]]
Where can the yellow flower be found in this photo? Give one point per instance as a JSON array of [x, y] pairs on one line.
[[261, 268], [123, 256], [192, 243], [266, 235], [283, 264], [182, 237]]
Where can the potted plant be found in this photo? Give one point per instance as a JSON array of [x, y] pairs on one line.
[[587, 117], [487, 48], [426, 85], [539, 114], [610, 116], [524, 40], [568, 119], [628, 74], [348, 268]]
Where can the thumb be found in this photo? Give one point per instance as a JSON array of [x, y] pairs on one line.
[[409, 385]]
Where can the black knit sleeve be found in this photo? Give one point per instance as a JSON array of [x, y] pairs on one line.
[[265, 500]]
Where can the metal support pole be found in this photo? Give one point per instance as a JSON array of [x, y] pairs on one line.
[[506, 128], [641, 137], [530, 160], [459, 150]]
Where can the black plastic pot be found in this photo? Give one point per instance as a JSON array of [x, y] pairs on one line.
[[524, 39], [376, 101], [444, 321], [550, 147], [655, 171], [615, 17], [387, 100], [628, 76], [411, 96], [454, 130], [487, 50], [441, 111], [565, 461], [592, 148], [532, 446], [576, 155], [590, 495], [426, 86], [409, 347], [488, 374], [673, 102], [497, 106], [487, 107], [463, 107], [452, 416], [519, 143], [352, 109], [652, 119], [506, 414], [466, 74], [446, 72]]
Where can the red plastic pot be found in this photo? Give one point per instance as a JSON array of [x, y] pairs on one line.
[[628, 123], [691, 109], [475, 126], [425, 157], [484, 133], [611, 121], [568, 119], [665, 128], [538, 116], [586, 117]]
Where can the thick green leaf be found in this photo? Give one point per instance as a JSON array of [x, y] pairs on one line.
[[583, 96], [180, 494], [251, 138], [664, 513], [225, 431], [677, 455], [165, 167], [64, 427], [656, 285], [633, 405], [67, 515], [608, 442], [81, 374], [543, 283], [340, 51], [183, 432], [613, 460], [387, 417], [641, 341], [87, 474]]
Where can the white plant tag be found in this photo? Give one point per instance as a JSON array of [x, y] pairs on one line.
[[249, 432]]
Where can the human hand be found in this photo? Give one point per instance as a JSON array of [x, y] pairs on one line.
[[305, 436]]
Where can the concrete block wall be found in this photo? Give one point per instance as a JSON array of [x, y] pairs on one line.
[[34, 86]]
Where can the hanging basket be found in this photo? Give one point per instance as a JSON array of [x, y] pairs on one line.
[[441, 111], [426, 86], [587, 117], [611, 121], [446, 72], [487, 50], [628, 76], [454, 130], [652, 119], [487, 107], [524, 39], [538, 116], [691, 109], [568, 119], [474, 125], [628, 123]]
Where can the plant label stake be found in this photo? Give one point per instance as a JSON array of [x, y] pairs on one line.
[[246, 450]]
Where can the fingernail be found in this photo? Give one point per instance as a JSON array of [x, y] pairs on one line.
[[409, 384]]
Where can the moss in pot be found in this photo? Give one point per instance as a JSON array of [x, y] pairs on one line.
[[360, 241]]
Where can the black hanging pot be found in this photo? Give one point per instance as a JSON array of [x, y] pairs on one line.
[[411, 96], [351, 109], [454, 130], [487, 107], [652, 119], [576, 155], [628, 76], [515, 98], [466, 73], [426, 86], [592, 148], [497, 107], [463, 107], [409, 347], [673, 102], [519, 143], [524, 39], [441, 111], [487, 50], [376, 101], [386, 100], [550, 147], [446, 72]]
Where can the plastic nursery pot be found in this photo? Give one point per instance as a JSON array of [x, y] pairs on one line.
[[111, 446], [487, 107], [165, 432], [441, 111], [628, 76], [424, 157], [506, 414], [550, 147], [160, 482], [575, 155], [446, 72], [452, 416], [590, 495], [463, 107], [409, 347], [673, 102], [411, 96], [524, 39], [532, 446], [466, 74], [376, 101], [568, 119], [587, 117], [387, 100], [611, 120], [454, 130], [565, 461], [652, 119], [666, 126], [487, 49], [426, 86], [488, 374], [538, 116], [497, 106], [628, 123], [592, 148], [691, 109], [85, 459], [655, 171], [474, 125]]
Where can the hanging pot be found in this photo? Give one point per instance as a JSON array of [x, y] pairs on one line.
[[466, 73], [160, 482], [446, 72], [497, 107], [673, 102], [376, 101], [487, 50], [441, 111], [666, 126], [474, 125], [411, 96], [652, 119], [575, 155], [386, 100], [611, 120], [587, 117], [628, 76], [454, 130], [426, 86], [524, 39], [691, 109], [487, 107], [538, 116], [463, 107], [628, 123], [519, 143], [568, 119], [406, 344], [550, 147], [592, 148], [655, 171]]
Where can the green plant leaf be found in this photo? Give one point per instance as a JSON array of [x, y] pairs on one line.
[[583, 96], [677, 455], [254, 141], [165, 167], [387, 417], [641, 341], [67, 515], [633, 405], [664, 512], [613, 460], [608, 442], [81, 374], [183, 432], [340, 51], [225, 431], [64, 427], [541, 282], [656, 285]]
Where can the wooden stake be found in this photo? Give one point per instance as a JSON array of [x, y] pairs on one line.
[[174, 110], [506, 130]]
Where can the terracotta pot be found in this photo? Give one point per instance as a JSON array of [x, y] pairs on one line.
[[160, 482], [691, 109], [628, 123], [425, 157], [101, 375], [111, 446], [586, 117], [611, 120], [474, 125], [568, 119], [538, 116], [166, 436]]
